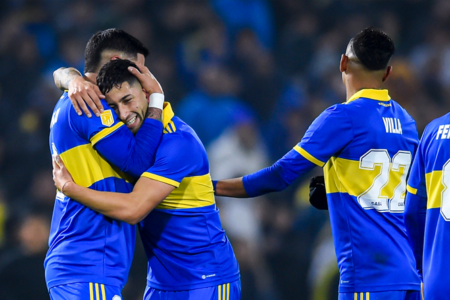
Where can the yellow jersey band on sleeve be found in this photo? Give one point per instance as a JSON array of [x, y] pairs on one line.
[[105, 132], [411, 190], [161, 179], [434, 189], [309, 156], [87, 166]]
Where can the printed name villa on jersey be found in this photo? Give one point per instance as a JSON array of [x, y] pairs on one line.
[[393, 125], [370, 141]]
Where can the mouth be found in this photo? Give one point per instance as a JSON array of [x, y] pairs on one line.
[[131, 121]]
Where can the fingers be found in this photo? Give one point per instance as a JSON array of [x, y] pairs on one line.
[[59, 161], [75, 104], [135, 72], [78, 101], [86, 97], [93, 101], [146, 78]]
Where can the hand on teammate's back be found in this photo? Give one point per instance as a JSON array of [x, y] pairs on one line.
[[83, 93], [146, 78], [317, 193]]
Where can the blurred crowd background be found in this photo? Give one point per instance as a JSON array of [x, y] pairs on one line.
[[248, 75]]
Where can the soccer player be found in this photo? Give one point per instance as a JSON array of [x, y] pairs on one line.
[[88, 252], [365, 146], [189, 255], [427, 211]]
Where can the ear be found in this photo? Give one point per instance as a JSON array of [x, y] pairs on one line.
[[115, 57], [387, 73], [147, 95], [343, 64]]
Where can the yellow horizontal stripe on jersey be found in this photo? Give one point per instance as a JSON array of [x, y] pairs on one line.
[[105, 132], [434, 188], [193, 192], [344, 176], [161, 179], [411, 190], [378, 95], [87, 166], [308, 156]]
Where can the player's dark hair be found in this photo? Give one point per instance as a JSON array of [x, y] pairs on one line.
[[373, 48], [110, 39], [113, 74]]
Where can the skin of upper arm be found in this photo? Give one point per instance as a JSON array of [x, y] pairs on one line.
[[146, 195]]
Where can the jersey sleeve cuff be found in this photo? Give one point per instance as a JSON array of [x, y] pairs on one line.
[[161, 179], [308, 156], [104, 133]]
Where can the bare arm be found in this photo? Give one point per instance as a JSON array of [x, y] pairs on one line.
[[130, 208], [63, 76], [82, 93], [231, 188]]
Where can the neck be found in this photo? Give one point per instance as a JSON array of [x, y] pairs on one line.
[[353, 86], [92, 77]]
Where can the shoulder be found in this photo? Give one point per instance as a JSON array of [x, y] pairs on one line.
[[436, 124], [179, 135], [336, 113]]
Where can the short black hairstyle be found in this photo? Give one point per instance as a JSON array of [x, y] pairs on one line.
[[110, 39], [114, 73], [373, 48]]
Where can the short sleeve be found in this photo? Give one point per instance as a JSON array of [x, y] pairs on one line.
[[178, 156], [95, 128], [330, 132]]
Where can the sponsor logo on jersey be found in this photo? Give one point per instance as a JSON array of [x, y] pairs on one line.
[[107, 119]]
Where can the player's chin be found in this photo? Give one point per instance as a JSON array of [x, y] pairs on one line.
[[134, 128]]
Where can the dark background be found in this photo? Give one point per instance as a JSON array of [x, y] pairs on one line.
[[248, 75]]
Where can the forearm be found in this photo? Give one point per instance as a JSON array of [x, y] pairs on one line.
[[118, 206], [63, 76], [415, 216], [231, 188], [278, 176], [132, 154]]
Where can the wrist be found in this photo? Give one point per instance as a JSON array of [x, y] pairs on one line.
[[66, 187], [156, 100]]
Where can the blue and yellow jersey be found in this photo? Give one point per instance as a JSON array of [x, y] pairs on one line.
[[183, 236], [429, 180], [366, 146], [85, 246]]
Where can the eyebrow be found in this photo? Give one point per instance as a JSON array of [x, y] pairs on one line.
[[124, 97]]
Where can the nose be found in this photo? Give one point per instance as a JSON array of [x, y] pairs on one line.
[[124, 112]]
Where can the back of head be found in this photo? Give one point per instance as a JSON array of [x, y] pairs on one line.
[[110, 39], [373, 48], [114, 73]]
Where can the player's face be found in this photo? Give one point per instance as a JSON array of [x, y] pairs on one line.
[[130, 104]]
